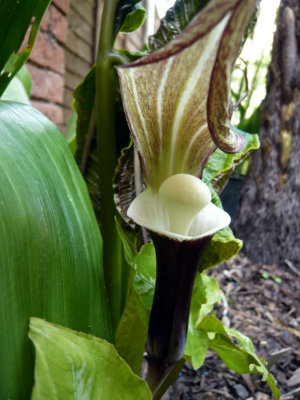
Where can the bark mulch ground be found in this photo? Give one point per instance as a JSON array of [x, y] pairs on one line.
[[261, 301]]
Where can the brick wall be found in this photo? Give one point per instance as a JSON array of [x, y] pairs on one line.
[[64, 51], [47, 62]]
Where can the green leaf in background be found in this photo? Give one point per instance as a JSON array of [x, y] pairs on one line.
[[175, 20], [145, 266], [143, 263], [224, 245], [134, 19], [70, 133], [15, 91], [206, 293], [235, 358], [132, 330], [221, 165], [241, 357], [19, 87], [16, 17], [125, 8], [24, 75], [86, 151], [128, 240], [86, 146], [72, 365], [133, 327], [51, 248]]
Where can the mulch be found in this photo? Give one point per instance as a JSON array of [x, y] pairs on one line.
[[262, 302]]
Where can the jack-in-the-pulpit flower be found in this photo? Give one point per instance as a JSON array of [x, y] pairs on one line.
[[176, 102]]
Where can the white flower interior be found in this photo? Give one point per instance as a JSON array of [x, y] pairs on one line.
[[181, 209]]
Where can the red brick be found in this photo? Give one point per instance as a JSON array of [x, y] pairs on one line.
[[47, 85], [48, 53], [52, 111], [58, 25], [45, 21], [63, 5], [80, 48]]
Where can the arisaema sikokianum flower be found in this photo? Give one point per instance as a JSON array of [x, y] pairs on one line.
[[176, 100]]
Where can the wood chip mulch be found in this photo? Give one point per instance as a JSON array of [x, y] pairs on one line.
[[262, 302]]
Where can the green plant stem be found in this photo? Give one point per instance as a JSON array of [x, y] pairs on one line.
[[112, 254]]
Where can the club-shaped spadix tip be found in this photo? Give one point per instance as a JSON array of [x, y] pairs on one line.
[[183, 196]]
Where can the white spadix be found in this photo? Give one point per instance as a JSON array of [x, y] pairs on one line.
[[183, 196]]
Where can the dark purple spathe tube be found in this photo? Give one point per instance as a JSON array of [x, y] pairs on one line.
[[177, 264]]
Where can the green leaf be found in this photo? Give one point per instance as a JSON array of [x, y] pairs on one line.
[[145, 266], [19, 87], [134, 19], [86, 151], [51, 248], [132, 330], [206, 293], [240, 358], [16, 17], [235, 358], [72, 365], [175, 20], [24, 75], [71, 131], [125, 7], [224, 245], [196, 347], [221, 165], [128, 240], [15, 91]]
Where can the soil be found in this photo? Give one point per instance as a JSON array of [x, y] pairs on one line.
[[262, 302]]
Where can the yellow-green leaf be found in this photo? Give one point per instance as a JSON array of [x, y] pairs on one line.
[[73, 365]]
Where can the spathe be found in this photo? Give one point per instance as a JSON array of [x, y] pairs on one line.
[[176, 99]]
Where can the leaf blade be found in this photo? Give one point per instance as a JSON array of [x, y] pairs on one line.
[[51, 253], [75, 365]]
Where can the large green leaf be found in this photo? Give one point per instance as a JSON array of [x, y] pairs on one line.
[[16, 16], [72, 365], [51, 248]]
